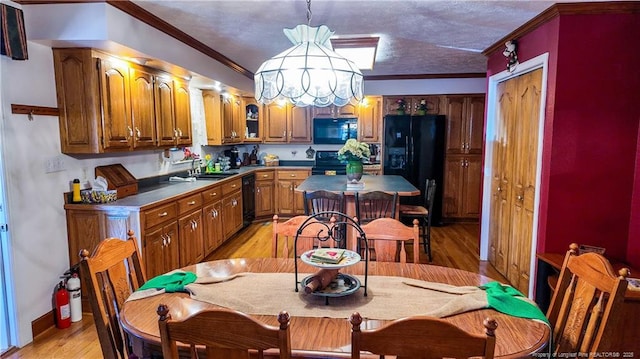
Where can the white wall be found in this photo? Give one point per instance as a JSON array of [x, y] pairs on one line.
[[36, 217]]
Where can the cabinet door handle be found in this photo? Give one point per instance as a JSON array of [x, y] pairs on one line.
[[175, 133], [520, 198], [130, 131], [138, 133], [163, 214], [215, 213], [234, 186], [213, 194], [258, 190], [191, 203], [499, 189], [179, 132], [284, 133], [265, 176], [293, 175], [164, 240], [290, 134]]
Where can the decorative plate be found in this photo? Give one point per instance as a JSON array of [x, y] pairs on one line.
[[342, 285], [350, 258]]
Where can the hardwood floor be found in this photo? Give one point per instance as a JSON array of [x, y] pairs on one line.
[[454, 245]]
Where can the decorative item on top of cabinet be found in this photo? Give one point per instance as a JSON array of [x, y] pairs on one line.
[[104, 103], [465, 122], [287, 123]]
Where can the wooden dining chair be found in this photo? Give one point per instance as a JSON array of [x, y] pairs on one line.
[[111, 274], [323, 201], [423, 213], [224, 333], [375, 204], [284, 232], [421, 337], [387, 239], [586, 304]]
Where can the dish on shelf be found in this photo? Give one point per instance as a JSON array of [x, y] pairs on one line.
[[349, 258]]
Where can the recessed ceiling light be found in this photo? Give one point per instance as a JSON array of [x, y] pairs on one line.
[[361, 50]]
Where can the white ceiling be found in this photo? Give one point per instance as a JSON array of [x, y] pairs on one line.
[[416, 37]]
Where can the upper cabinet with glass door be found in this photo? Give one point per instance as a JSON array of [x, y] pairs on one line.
[[253, 116]]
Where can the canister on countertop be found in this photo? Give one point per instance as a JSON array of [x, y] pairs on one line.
[[76, 191]]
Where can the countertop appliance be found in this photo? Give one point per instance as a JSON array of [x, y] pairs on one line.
[[327, 162], [248, 199], [334, 130], [233, 155], [414, 149]]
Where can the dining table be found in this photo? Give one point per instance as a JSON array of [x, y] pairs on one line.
[[314, 334]]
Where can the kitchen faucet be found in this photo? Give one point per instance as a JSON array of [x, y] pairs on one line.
[[195, 170]]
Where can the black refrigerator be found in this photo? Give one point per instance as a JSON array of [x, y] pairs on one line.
[[414, 149]]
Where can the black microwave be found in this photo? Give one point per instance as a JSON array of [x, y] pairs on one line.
[[334, 130]]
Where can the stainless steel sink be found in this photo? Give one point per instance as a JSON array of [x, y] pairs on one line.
[[214, 176]]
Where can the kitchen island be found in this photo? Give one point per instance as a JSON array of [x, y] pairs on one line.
[[338, 184]]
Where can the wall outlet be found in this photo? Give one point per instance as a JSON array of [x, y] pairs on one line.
[[54, 164]]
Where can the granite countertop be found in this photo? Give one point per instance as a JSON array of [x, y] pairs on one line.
[[152, 191], [371, 183]]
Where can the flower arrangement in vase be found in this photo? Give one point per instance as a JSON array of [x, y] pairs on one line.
[[402, 106], [354, 152], [422, 107]]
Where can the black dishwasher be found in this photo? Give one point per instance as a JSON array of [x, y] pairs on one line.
[[248, 199]]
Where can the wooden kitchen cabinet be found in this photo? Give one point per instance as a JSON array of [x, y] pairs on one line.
[[232, 119], [432, 102], [465, 122], [231, 207], [160, 249], [143, 112], [370, 119], [173, 112], [212, 103], [333, 111], [108, 105], [253, 116], [289, 201], [287, 124], [461, 196], [190, 230], [160, 245], [265, 193], [182, 113], [212, 219]]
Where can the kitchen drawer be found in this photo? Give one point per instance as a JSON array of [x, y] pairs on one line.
[[265, 175], [160, 214], [212, 194], [231, 186], [190, 203], [296, 174]]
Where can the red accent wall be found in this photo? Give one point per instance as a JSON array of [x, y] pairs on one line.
[[590, 190]]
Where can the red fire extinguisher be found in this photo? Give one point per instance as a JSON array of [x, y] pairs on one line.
[[63, 310]]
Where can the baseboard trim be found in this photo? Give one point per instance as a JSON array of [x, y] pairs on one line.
[[40, 325]]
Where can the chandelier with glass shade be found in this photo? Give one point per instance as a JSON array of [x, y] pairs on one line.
[[309, 73]]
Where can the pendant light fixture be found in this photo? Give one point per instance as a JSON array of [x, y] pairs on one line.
[[310, 73]]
